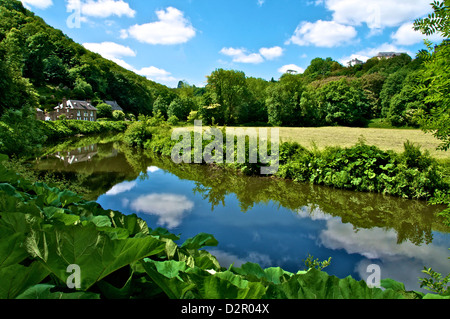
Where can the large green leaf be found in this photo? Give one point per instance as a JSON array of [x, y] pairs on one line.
[[16, 278], [43, 292], [225, 285], [166, 275], [317, 284], [254, 272], [94, 252], [199, 241], [11, 250]]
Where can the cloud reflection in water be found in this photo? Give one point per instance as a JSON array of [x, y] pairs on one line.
[[170, 208]]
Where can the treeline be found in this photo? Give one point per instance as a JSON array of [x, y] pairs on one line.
[[327, 93]]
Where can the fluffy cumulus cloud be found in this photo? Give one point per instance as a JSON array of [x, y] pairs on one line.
[[110, 50], [101, 8], [271, 53], [169, 208], [322, 34], [377, 13], [40, 4], [406, 35], [156, 74], [171, 28], [116, 52], [243, 56], [121, 188]]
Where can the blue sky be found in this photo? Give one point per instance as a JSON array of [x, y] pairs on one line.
[[172, 40]]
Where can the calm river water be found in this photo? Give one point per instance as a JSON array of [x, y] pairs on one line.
[[272, 222]]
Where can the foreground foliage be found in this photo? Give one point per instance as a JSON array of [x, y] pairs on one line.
[[45, 230]]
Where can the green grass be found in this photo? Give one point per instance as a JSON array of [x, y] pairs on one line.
[[383, 138]]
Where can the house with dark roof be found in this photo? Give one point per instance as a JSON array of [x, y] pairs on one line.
[[114, 105], [74, 110]]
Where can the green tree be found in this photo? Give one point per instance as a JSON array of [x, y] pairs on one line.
[[82, 90], [404, 105], [104, 111], [283, 101], [320, 68], [118, 115], [392, 86], [229, 89], [179, 108], [55, 71], [344, 103], [435, 78], [161, 105]]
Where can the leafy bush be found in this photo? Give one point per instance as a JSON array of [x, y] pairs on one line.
[[56, 130], [20, 133], [412, 174]]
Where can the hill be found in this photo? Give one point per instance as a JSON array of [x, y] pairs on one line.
[[40, 65]]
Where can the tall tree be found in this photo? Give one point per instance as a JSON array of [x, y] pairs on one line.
[[230, 90], [435, 78]]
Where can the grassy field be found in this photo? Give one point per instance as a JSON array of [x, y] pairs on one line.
[[385, 139]]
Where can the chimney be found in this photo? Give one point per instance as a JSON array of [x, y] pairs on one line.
[[64, 102]]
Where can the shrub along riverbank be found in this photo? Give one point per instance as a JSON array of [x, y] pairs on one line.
[[59, 246]]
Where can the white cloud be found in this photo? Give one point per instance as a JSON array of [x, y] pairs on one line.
[[110, 50], [271, 53], [115, 52], [123, 34], [402, 261], [292, 67], [261, 2], [377, 14], [156, 74], [102, 8], [153, 169], [40, 4], [171, 28], [322, 34], [121, 188], [241, 55], [170, 208], [406, 35]]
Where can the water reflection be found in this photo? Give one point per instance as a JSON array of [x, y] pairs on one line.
[[269, 221], [170, 208]]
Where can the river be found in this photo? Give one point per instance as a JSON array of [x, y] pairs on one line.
[[269, 221]]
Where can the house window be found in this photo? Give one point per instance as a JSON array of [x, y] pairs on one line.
[[78, 113]]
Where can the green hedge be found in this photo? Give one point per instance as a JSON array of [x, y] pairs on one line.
[[56, 130]]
